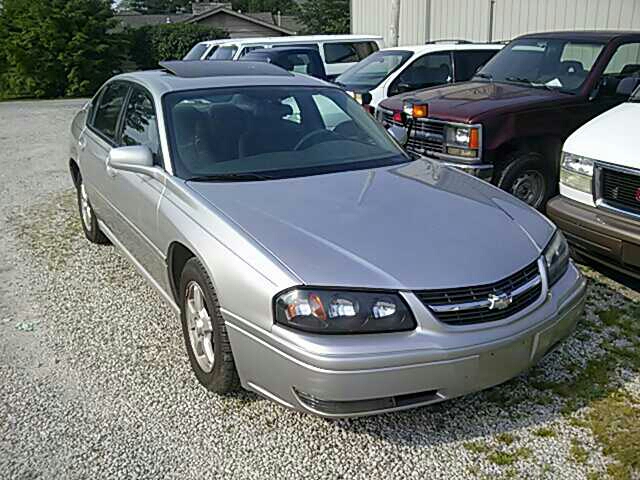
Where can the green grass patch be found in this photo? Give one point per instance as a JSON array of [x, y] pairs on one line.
[[478, 447], [503, 458], [506, 438], [578, 452], [545, 432]]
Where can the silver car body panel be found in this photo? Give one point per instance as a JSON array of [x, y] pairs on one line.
[[414, 226]]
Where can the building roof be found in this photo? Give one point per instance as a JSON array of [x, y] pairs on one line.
[[135, 19], [248, 18], [289, 22]]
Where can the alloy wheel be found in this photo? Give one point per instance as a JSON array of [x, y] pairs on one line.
[[200, 327], [85, 208]]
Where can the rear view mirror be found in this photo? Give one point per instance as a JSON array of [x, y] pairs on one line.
[[138, 159], [627, 86], [399, 134]]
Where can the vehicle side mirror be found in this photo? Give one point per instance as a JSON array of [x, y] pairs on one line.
[[627, 86], [137, 158], [367, 98], [399, 134]]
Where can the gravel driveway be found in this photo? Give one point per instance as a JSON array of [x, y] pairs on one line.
[[95, 382]]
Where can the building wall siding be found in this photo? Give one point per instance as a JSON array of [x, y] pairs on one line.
[[423, 20]]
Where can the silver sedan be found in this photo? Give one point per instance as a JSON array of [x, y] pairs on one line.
[[309, 258]]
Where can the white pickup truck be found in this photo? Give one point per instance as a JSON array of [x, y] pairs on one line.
[[599, 203]]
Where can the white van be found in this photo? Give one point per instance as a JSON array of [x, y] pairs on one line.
[[338, 52]]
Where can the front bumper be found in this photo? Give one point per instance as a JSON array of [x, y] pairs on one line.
[[354, 375], [612, 239]]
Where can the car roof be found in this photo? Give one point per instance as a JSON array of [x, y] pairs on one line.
[[195, 75], [302, 39], [583, 35], [442, 46]]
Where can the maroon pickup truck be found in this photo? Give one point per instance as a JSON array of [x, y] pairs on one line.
[[507, 125]]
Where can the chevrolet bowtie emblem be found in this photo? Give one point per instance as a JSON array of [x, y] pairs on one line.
[[500, 301]]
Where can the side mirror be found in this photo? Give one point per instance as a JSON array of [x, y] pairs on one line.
[[627, 86], [138, 159], [399, 134]]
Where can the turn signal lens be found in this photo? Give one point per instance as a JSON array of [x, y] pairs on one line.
[[420, 111], [474, 138]]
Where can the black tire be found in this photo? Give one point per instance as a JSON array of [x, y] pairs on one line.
[[89, 226], [527, 176], [223, 378]]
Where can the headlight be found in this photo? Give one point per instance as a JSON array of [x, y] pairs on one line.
[[463, 141], [556, 256], [576, 172], [339, 311]]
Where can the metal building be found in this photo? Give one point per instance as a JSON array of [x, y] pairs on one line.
[[491, 20]]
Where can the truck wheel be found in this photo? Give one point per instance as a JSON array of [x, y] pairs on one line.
[[88, 217], [204, 331], [527, 177]]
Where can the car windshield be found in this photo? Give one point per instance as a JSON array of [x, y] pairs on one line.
[[224, 53], [556, 64], [259, 133], [372, 71], [196, 52]]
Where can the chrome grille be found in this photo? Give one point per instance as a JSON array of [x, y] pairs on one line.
[[426, 135], [471, 305], [621, 189]]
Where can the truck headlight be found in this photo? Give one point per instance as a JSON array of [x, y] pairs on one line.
[[576, 172], [341, 311], [556, 256], [463, 141]]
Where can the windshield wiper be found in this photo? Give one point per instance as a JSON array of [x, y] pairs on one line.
[[527, 81], [487, 76], [231, 177]]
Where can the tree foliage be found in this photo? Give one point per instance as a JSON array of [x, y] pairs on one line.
[[152, 44], [325, 16], [286, 7], [51, 48], [154, 6]]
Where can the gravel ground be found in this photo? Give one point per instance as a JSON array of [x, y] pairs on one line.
[[96, 382]]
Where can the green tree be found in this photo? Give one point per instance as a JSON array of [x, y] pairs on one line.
[[152, 44], [286, 7], [325, 16], [155, 6], [51, 48]]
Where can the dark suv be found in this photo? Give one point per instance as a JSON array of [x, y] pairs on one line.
[[508, 123]]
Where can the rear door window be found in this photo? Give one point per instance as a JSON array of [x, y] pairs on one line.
[[246, 50], [297, 62], [107, 112], [468, 62], [348, 52]]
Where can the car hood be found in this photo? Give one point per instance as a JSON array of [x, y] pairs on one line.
[[413, 226], [619, 126], [466, 102]]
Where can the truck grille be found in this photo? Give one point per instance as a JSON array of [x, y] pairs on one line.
[[621, 189], [471, 305], [426, 135]]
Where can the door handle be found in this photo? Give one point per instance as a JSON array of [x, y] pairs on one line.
[[82, 143], [110, 170]]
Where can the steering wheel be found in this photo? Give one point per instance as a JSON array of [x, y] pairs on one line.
[[313, 137]]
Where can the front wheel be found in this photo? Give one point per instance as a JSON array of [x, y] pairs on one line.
[[527, 177], [204, 331]]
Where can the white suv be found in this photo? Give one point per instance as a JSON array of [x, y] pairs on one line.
[[599, 202], [398, 70]]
